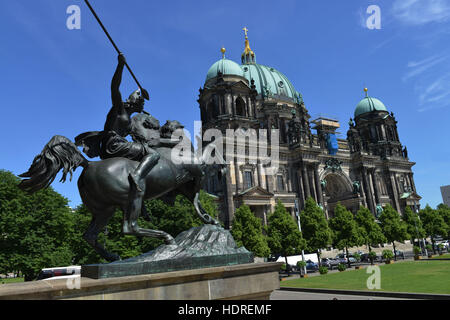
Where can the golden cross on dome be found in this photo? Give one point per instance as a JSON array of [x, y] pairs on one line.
[[245, 31]]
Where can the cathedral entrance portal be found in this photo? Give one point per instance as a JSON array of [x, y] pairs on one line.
[[338, 188]]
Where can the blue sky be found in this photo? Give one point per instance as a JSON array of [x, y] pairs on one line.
[[56, 81]]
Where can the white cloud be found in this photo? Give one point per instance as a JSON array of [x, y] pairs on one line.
[[419, 67], [419, 12], [436, 93]]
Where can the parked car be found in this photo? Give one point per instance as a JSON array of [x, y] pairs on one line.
[[444, 243], [342, 258], [400, 254], [58, 272], [311, 266], [329, 263], [365, 257]]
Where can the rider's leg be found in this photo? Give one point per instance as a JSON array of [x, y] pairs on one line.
[[147, 163]]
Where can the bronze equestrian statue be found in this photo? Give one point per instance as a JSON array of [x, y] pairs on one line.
[[129, 172]]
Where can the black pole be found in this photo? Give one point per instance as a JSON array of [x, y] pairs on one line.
[[143, 91]]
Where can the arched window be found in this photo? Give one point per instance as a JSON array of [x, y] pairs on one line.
[[248, 179], [240, 107], [215, 110], [280, 183], [211, 110]]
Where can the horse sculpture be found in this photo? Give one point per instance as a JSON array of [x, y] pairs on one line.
[[104, 186]]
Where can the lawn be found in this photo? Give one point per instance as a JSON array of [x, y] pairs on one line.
[[444, 256], [10, 280], [410, 276]]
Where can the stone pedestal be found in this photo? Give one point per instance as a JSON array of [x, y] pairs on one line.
[[245, 281]]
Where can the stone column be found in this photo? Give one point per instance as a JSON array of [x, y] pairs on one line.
[[368, 192], [228, 199], [363, 194], [375, 186], [411, 181], [395, 191], [258, 173], [383, 132], [319, 192], [312, 183], [229, 104], [300, 189], [236, 175], [305, 181]]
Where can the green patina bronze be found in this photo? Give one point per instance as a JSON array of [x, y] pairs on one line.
[[200, 247]]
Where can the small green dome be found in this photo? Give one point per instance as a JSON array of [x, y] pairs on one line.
[[369, 104], [226, 67]]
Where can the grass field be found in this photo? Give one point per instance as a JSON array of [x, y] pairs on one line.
[[444, 256], [10, 280], [410, 276]]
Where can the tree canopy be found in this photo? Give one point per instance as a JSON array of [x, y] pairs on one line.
[[315, 229], [346, 233], [394, 229], [414, 225], [369, 229], [433, 222], [283, 235], [247, 232], [34, 229]]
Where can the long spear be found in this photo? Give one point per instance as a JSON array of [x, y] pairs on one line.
[[143, 91]]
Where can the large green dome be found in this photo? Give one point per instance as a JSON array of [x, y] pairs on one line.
[[369, 104], [270, 82], [226, 67]]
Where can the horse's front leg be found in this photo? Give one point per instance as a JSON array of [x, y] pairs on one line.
[[130, 223], [206, 218]]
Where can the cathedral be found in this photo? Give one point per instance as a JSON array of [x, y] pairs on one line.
[[370, 168]]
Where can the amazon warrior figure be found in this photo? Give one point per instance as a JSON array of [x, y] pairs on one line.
[[111, 142]]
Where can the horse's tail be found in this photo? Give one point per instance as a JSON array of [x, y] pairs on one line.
[[59, 153]]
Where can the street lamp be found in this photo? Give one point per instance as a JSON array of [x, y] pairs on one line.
[[416, 209], [297, 214]]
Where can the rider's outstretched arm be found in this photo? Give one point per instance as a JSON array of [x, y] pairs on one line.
[[116, 81], [117, 104]]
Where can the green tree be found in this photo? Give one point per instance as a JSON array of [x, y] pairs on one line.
[[247, 232], [346, 233], [433, 223], [369, 229], [315, 227], [283, 235], [35, 230], [444, 211], [394, 229], [413, 224]]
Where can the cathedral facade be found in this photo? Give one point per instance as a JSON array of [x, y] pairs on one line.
[[370, 168]]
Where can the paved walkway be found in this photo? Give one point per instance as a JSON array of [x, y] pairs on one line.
[[290, 295]]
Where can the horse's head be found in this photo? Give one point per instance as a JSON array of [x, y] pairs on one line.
[[169, 128], [144, 128]]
